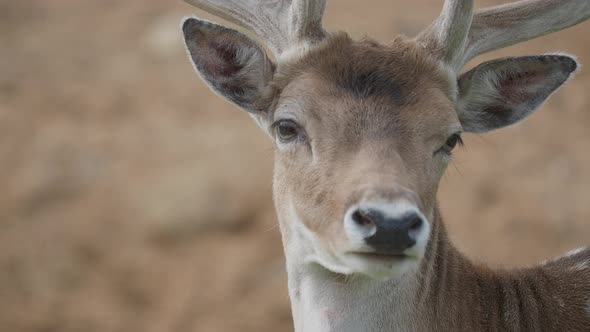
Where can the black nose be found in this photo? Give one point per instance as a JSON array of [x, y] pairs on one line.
[[392, 235]]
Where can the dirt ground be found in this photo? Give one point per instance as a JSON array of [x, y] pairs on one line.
[[134, 199]]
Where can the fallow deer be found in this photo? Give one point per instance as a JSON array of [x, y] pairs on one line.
[[363, 133]]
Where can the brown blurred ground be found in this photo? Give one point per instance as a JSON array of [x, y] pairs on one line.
[[135, 200]]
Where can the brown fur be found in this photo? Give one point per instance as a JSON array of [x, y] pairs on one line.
[[364, 107], [459, 295], [370, 123], [370, 142]]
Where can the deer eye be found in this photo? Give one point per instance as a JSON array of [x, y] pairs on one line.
[[287, 131], [451, 143]]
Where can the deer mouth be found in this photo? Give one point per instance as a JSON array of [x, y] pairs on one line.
[[381, 256], [381, 266]]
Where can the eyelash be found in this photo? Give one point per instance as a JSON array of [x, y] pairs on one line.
[[450, 144], [296, 134]]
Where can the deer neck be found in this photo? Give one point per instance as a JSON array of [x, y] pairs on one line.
[[325, 301]]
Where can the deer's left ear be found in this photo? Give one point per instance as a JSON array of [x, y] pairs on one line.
[[233, 65], [502, 92]]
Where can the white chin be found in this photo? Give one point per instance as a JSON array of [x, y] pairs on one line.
[[381, 268], [375, 267]]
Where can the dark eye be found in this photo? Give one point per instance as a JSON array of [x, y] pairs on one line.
[[287, 130], [451, 143]]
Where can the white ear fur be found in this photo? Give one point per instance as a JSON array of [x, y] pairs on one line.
[[502, 92]]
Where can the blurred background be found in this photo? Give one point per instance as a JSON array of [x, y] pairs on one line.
[[134, 199]]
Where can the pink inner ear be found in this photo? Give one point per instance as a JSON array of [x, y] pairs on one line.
[[521, 87], [222, 61]]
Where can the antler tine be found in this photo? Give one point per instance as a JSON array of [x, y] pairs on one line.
[[458, 35], [447, 36], [281, 24], [501, 26], [306, 20]]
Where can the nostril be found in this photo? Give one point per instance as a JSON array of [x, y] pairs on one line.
[[415, 224], [362, 219]]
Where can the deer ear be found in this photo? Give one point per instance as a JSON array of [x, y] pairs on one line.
[[502, 92], [232, 64]]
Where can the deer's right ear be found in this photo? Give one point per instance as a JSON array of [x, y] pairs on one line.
[[232, 64]]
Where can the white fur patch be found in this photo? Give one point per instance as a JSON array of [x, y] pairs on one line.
[[566, 255], [574, 252], [581, 266], [314, 320]]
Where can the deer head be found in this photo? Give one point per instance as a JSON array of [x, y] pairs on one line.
[[364, 131]]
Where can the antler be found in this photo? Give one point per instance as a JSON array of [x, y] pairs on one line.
[[458, 36], [509, 24], [447, 36], [282, 24]]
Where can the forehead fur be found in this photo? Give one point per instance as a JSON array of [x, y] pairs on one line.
[[365, 69]]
